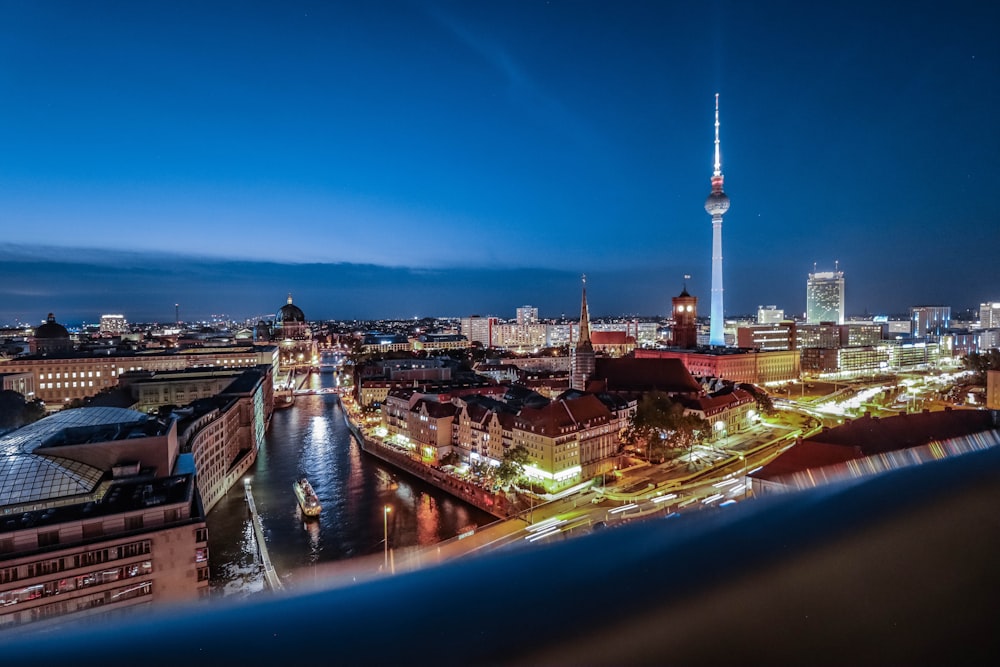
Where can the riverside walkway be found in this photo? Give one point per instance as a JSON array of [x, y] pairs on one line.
[[258, 530]]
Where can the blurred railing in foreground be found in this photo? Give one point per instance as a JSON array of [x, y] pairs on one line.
[[897, 569]]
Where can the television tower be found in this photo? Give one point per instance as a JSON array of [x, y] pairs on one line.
[[716, 205]]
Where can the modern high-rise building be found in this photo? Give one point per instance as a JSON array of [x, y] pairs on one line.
[[989, 315], [929, 320], [716, 205], [583, 349], [479, 329], [825, 297], [770, 315], [113, 324], [527, 315]]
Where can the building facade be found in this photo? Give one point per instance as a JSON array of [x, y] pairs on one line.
[[109, 518], [989, 315], [61, 379], [738, 365], [929, 320], [825, 297]]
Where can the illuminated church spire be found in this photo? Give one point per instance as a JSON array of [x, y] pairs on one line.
[[583, 351], [584, 316], [716, 205]]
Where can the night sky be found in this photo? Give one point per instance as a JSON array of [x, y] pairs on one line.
[[406, 159]]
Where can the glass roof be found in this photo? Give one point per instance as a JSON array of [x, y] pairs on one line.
[[27, 476]]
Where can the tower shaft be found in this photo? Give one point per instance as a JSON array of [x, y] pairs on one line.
[[716, 333]]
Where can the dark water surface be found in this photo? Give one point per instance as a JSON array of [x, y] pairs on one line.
[[311, 439]]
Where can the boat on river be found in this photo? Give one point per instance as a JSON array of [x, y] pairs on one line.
[[308, 500]]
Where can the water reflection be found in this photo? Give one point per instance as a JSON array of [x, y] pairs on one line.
[[311, 440]]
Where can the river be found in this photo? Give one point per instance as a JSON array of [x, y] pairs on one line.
[[311, 439]]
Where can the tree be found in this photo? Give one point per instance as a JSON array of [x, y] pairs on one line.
[[764, 404], [15, 411], [512, 465], [660, 425], [979, 363]]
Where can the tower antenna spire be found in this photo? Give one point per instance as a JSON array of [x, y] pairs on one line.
[[718, 159]]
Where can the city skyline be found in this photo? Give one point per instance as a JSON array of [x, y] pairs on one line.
[[442, 159]]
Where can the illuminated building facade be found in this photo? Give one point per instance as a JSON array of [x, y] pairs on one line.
[[520, 336], [224, 433], [738, 365], [63, 378], [770, 315], [989, 315], [825, 297], [929, 320], [438, 342], [113, 325], [22, 383], [831, 335], [294, 337], [564, 438], [727, 412], [479, 329], [780, 336], [847, 360], [527, 315]]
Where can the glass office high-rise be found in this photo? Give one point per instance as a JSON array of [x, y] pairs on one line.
[[825, 297]]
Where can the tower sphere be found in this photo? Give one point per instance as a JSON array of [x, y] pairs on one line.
[[717, 203]]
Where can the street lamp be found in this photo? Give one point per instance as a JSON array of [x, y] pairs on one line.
[[745, 480], [385, 534]]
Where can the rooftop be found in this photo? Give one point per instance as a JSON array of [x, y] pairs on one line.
[[31, 469]]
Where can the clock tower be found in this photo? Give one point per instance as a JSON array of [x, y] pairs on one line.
[[685, 315]]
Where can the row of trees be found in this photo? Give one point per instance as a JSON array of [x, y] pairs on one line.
[[979, 363], [662, 429], [511, 467]]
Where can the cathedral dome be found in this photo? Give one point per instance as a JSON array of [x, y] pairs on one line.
[[51, 329], [290, 313]]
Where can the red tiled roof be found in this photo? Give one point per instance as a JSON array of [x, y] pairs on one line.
[[715, 403], [868, 436], [669, 375], [434, 409], [559, 415], [807, 455], [611, 338]]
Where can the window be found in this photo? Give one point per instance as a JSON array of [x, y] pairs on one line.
[[93, 530], [48, 538]]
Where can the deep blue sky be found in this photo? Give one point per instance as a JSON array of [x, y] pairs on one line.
[[498, 148]]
